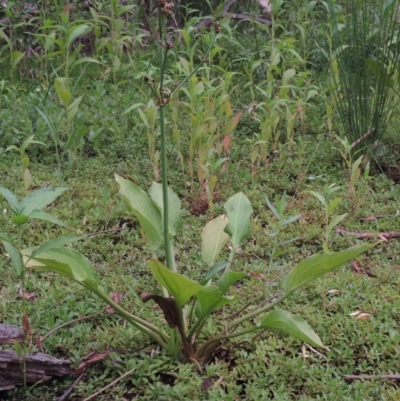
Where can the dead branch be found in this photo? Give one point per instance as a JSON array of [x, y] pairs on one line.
[[39, 368], [378, 216], [71, 388], [10, 333], [205, 23], [228, 5], [384, 236], [68, 323]]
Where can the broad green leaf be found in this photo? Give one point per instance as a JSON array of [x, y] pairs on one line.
[[57, 243], [289, 220], [318, 265], [73, 108], [292, 325], [239, 210], [133, 107], [272, 208], [64, 95], [179, 286], [356, 165], [310, 94], [276, 5], [318, 196], [335, 221], [210, 298], [10, 198], [76, 31], [145, 211], [39, 199], [30, 140], [228, 279], [214, 238], [15, 256], [26, 257], [288, 75], [174, 206], [12, 147], [82, 60], [333, 205], [16, 57], [214, 270], [40, 215], [332, 188], [69, 263], [5, 237]]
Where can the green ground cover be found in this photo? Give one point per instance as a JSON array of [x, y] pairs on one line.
[[297, 155]]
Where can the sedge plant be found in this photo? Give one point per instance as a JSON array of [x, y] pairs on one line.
[[364, 60], [187, 306]]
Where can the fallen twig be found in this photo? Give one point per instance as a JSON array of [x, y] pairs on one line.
[[111, 230], [384, 236], [109, 385], [226, 13], [371, 377], [79, 319], [371, 131], [71, 388], [378, 216], [317, 352]]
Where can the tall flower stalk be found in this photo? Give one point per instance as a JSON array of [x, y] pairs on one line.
[[364, 60]]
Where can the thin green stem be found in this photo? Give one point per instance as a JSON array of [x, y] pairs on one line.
[[149, 329], [164, 164], [228, 333], [255, 313], [230, 259], [23, 309], [222, 337], [164, 175]]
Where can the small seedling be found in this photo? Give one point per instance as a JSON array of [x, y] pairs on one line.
[[26, 175], [329, 205]]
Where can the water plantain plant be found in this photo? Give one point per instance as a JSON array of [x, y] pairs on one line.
[[187, 305], [364, 69]]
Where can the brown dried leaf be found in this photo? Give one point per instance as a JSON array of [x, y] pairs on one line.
[[363, 316], [227, 143], [266, 5], [90, 360], [117, 298], [332, 303], [257, 275], [29, 296], [332, 292], [356, 267], [206, 385], [167, 305], [251, 107]]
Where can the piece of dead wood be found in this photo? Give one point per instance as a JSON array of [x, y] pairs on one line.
[[378, 216], [384, 236], [10, 333], [39, 368], [71, 388], [90, 360], [206, 22], [93, 396], [371, 377], [79, 319]]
